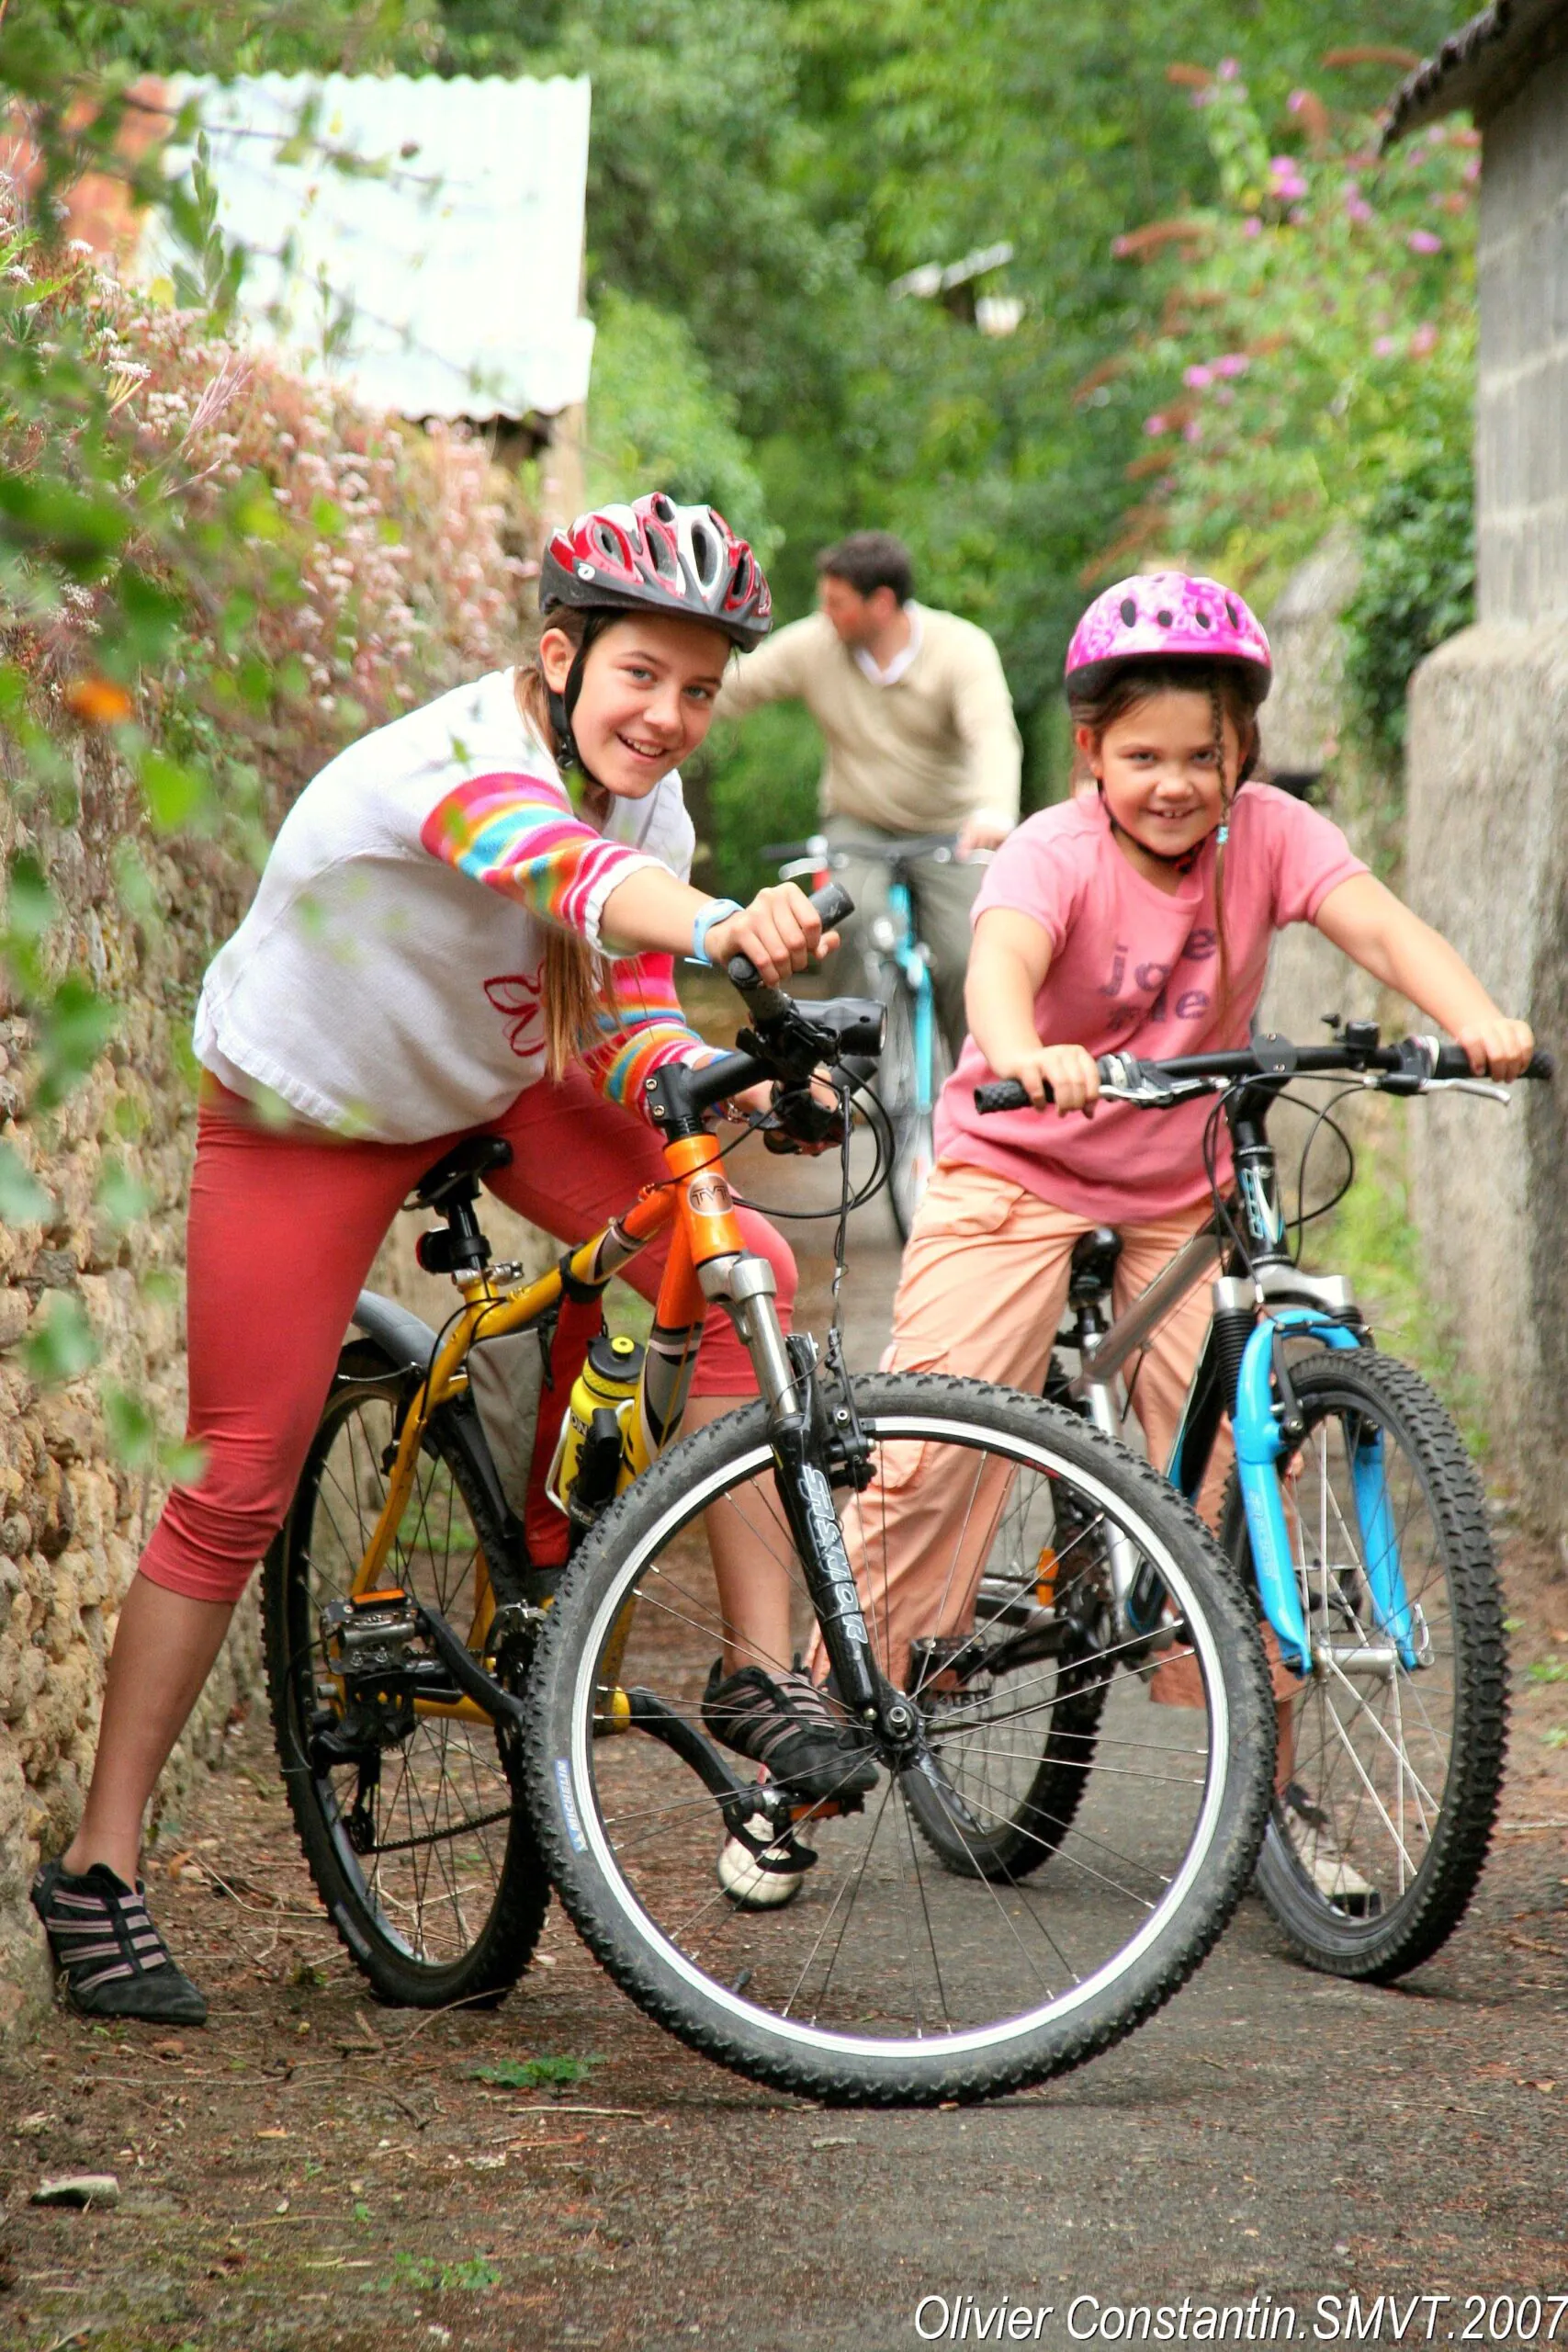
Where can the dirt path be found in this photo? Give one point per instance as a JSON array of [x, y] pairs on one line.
[[313, 2172]]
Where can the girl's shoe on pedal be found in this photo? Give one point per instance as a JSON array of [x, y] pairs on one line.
[[1309, 1831], [788, 1724], [114, 1962]]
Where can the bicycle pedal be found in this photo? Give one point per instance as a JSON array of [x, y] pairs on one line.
[[826, 1809]]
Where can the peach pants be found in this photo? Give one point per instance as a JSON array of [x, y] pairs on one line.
[[982, 1286]]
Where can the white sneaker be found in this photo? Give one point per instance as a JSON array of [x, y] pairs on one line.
[[1312, 1840], [749, 1885]]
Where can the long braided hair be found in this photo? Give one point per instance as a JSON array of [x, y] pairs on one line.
[[1229, 696], [576, 994]]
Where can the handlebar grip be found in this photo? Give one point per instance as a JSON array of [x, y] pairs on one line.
[[1004, 1094], [832, 902], [1454, 1062]]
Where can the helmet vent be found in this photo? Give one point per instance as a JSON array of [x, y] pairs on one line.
[[1129, 611], [1164, 618]]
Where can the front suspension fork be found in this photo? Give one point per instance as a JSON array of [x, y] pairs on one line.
[[798, 1434]]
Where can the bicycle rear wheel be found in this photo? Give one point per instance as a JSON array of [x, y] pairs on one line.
[[1374, 1853], [419, 1845], [1014, 1707], [890, 1979]]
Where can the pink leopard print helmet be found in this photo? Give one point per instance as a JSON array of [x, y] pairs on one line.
[[655, 555], [1168, 617]]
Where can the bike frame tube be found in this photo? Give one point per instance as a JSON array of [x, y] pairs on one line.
[[700, 1204]]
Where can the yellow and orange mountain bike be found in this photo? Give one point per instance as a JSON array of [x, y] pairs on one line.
[[466, 1715]]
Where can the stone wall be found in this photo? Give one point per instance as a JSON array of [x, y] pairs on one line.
[[72, 1517]]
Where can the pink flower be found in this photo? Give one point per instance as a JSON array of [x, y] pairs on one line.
[[1197, 376], [1285, 178], [1424, 340], [1156, 425], [1297, 100], [1385, 346], [1229, 69], [1357, 209], [1192, 430], [1232, 363], [1472, 170], [1423, 241], [1252, 226]]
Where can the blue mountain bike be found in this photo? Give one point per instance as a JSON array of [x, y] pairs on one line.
[[915, 1063], [1353, 1513]]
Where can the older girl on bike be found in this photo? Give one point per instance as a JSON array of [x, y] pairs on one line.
[[467, 920]]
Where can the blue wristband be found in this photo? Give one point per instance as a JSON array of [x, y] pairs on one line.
[[716, 911]]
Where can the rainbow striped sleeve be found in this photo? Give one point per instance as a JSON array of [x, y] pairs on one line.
[[646, 1030], [517, 835]]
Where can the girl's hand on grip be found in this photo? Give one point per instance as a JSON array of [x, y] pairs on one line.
[[1068, 1070], [1498, 1048], [781, 931]]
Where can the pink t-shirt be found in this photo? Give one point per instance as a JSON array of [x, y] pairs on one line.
[[1136, 969]]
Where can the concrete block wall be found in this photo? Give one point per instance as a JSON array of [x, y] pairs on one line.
[[1522, 394], [1487, 862]]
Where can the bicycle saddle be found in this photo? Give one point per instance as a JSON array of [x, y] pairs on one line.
[[456, 1175], [1094, 1264]]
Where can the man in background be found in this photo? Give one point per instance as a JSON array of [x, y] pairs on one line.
[[919, 739]]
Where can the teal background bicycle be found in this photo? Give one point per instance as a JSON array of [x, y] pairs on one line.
[[915, 1064]]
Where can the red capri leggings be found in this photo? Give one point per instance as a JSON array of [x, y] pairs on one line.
[[283, 1229]]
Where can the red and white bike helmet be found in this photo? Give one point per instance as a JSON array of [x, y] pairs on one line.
[[1168, 617], [656, 556]]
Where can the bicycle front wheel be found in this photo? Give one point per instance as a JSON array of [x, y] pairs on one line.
[[1393, 1762], [417, 1840], [912, 1070], [958, 1933]]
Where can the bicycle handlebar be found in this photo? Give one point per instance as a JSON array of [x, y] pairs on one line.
[[894, 853], [1409, 1067]]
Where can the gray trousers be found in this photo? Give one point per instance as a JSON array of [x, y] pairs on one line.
[[944, 896]]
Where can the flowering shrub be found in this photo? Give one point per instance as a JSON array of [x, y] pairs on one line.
[[218, 571], [1318, 336]]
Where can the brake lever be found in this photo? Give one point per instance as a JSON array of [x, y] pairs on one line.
[[1483, 1086]]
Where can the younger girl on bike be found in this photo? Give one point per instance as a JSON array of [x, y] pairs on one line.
[[1137, 918], [467, 921]]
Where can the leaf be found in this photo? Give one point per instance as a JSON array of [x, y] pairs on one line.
[[23, 1200], [175, 792], [62, 1347], [74, 1025], [131, 1427]]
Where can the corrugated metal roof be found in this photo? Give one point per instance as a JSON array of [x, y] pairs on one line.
[[448, 214], [1481, 64]]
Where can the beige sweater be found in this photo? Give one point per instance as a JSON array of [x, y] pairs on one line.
[[916, 756]]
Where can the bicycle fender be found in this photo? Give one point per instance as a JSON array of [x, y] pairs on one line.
[[1259, 1446]]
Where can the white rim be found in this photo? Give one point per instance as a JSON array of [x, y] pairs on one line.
[[797, 2033]]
